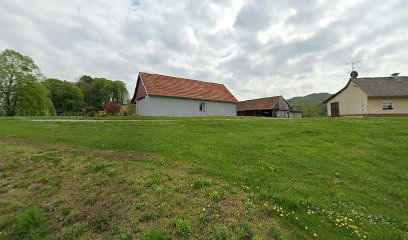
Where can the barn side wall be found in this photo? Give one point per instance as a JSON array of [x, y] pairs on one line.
[[182, 107]]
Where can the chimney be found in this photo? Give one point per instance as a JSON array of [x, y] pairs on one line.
[[395, 76]]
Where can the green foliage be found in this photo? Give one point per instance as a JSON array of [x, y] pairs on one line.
[[73, 232], [257, 237], [154, 179], [311, 105], [276, 233], [30, 224], [201, 182], [154, 234], [101, 222], [66, 96], [119, 92], [131, 109], [217, 196], [245, 231], [150, 216], [20, 90], [98, 91], [52, 156], [183, 228], [221, 233], [98, 167], [89, 111]]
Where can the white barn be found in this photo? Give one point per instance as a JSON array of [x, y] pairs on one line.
[[160, 95]]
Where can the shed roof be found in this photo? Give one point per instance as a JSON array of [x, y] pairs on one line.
[[258, 104], [162, 85]]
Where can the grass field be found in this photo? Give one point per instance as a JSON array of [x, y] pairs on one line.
[[210, 178]]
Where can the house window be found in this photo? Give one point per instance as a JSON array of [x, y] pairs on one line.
[[387, 105], [202, 107]]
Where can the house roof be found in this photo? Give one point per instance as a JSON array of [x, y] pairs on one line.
[[383, 86], [379, 87], [161, 85], [258, 104]]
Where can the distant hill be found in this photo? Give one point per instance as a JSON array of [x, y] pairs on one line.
[[311, 104]]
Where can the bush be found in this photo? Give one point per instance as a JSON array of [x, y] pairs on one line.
[[112, 108], [183, 228], [101, 114], [88, 112]]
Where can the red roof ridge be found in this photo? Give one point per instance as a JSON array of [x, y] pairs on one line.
[[181, 78], [164, 85], [280, 96]]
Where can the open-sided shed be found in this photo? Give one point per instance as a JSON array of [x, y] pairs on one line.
[[276, 107]]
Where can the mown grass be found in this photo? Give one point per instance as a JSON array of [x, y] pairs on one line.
[[308, 178]]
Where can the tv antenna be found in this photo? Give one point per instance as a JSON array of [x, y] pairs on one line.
[[354, 63]]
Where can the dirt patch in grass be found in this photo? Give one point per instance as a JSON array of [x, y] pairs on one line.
[[66, 193], [109, 154]]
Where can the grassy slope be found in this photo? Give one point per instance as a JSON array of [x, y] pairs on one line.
[[352, 167]]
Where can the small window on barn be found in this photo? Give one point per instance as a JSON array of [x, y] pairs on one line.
[[387, 105], [202, 107]]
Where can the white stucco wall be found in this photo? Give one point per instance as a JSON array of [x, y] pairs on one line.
[[182, 107]]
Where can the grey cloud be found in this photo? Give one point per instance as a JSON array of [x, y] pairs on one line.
[[118, 39]]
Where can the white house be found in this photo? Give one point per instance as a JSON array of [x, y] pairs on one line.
[[160, 95]]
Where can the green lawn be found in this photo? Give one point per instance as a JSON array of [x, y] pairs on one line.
[[316, 178]]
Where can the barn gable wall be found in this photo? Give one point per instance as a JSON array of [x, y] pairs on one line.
[[140, 90], [283, 105]]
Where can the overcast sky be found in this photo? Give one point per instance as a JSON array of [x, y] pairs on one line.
[[256, 48]]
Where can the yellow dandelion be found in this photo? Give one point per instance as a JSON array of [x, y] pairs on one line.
[[314, 234]]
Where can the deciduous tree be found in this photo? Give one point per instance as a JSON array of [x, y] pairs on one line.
[[66, 96], [20, 90]]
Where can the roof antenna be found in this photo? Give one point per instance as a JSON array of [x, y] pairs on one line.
[[353, 73]]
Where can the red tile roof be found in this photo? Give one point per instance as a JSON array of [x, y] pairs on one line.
[[258, 104], [162, 85]]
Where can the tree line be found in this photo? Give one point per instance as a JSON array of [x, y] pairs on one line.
[[25, 91]]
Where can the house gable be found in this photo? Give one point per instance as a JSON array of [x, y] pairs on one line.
[[352, 100]]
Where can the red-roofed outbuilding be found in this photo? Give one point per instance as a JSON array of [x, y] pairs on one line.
[[160, 95]]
